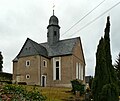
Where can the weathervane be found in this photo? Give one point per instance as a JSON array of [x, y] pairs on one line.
[[53, 7]]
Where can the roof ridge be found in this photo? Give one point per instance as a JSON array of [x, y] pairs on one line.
[[33, 42], [63, 40], [36, 43], [69, 39]]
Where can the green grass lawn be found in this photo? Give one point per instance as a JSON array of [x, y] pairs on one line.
[[53, 93]]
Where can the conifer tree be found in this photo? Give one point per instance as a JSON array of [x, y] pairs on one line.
[[117, 70], [1, 62], [104, 72], [109, 66], [117, 67]]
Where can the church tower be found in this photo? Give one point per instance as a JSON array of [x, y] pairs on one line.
[[53, 33]]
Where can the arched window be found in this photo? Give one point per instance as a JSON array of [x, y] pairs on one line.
[[27, 63], [44, 63], [57, 68]]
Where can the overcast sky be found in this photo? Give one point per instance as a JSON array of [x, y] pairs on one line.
[[22, 19]]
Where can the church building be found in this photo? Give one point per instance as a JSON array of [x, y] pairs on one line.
[[53, 63]]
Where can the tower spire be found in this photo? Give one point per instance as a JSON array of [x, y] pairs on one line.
[[53, 11], [53, 34], [53, 8]]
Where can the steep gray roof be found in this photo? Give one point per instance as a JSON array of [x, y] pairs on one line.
[[32, 48], [62, 47]]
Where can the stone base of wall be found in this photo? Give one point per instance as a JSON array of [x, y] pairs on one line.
[[60, 85], [50, 85]]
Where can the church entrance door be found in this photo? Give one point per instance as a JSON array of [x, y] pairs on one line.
[[43, 80]]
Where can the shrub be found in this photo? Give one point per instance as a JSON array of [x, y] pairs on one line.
[[78, 86], [109, 93], [19, 93]]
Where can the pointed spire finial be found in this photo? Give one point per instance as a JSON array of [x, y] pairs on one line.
[[53, 11], [53, 8]]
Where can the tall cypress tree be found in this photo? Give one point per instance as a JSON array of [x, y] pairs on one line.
[[117, 67], [109, 66], [1, 62], [104, 71], [117, 70], [97, 84]]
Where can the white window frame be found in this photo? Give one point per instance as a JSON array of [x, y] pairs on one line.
[[81, 72], [26, 64], [44, 61], [77, 72], [27, 76], [54, 67]]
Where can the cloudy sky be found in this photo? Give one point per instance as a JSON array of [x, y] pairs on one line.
[[22, 19]]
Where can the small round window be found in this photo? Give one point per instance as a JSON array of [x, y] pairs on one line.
[[27, 76]]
